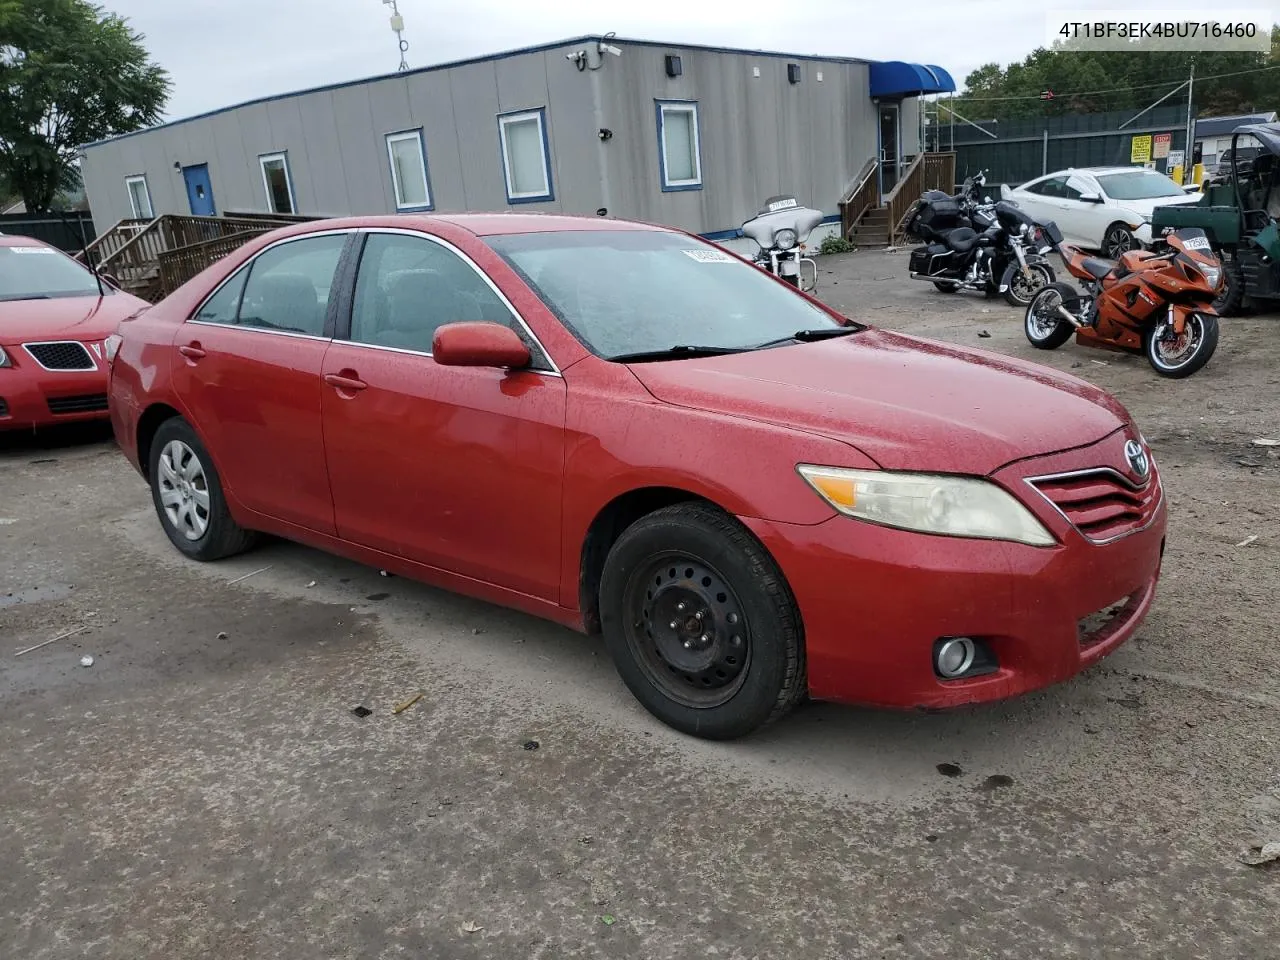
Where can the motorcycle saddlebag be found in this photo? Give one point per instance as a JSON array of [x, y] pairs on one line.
[[922, 257]]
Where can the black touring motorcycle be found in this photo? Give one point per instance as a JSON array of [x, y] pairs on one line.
[[995, 248]]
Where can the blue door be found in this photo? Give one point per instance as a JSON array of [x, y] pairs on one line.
[[199, 190]]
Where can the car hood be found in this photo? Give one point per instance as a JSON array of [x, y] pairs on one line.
[[72, 318], [906, 402], [1145, 207]]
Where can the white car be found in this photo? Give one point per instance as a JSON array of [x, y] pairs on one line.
[[1102, 208]]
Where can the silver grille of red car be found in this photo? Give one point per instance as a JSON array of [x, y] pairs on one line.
[[1102, 504], [61, 355]]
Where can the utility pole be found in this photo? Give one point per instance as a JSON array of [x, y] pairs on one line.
[[1188, 155], [397, 26]]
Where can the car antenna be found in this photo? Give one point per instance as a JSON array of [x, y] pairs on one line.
[[84, 252]]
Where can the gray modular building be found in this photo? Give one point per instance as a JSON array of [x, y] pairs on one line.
[[694, 137]]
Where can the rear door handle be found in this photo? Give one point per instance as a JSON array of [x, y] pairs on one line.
[[347, 380], [192, 351]]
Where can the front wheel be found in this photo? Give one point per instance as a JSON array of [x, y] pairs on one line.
[[701, 624], [1176, 356], [1045, 327], [1117, 241], [1022, 288]]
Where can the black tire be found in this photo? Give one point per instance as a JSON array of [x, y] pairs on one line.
[[1041, 269], [1041, 334], [734, 660], [1201, 351], [1230, 302], [221, 536], [945, 286], [1118, 239]]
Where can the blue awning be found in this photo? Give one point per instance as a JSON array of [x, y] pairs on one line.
[[895, 78]]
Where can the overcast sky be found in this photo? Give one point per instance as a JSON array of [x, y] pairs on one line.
[[221, 52]]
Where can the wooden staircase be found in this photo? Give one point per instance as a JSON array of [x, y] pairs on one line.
[[871, 220]]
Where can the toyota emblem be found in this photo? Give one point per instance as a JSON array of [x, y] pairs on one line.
[[1137, 458]]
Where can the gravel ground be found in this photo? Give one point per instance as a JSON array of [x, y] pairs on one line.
[[203, 790]]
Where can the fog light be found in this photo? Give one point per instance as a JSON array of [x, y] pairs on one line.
[[953, 657]]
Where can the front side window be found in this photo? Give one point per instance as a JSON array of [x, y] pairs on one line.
[[622, 292], [139, 197], [678, 147], [278, 182], [409, 170], [526, 157], [224, 306], [1074, 188], [288, 286], [408, 287]]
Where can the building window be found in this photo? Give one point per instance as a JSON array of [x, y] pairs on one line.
[[679, 153], [526, 156], [409, 170], [139, 197], [278, 182]]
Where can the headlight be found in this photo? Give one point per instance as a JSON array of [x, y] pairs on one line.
[[929, 503], [1213, 275], [4, 359], [785, 239], [111, 346]]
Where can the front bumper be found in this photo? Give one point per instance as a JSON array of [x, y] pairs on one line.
[[873, 600], [32, 398], [1143, 235]]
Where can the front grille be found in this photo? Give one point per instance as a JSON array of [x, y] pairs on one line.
[[1100, 626], [1101, 504], [63, 355], [85, 403]]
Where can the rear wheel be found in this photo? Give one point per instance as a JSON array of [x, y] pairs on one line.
[[1231, 300], [700, 623], [1177, 356], [1045, 327], [188, 495], [1022, 288]]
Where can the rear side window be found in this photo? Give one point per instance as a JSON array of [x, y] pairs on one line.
[[289, 285]]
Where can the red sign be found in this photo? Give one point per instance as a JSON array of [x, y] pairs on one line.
[[1160, 145]]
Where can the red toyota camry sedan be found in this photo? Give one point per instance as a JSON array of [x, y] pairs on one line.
[[54, 317], [630, 431]]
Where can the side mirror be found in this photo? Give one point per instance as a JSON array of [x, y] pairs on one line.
[[481, 344], [1090, 198]]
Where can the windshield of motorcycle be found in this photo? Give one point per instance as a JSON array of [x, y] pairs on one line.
[[764, 228], [1011, 216], [1193, 244], [630, 291]]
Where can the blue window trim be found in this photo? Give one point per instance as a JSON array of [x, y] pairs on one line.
[[426, 172], [697, 143], [541, 114], [288, 178]]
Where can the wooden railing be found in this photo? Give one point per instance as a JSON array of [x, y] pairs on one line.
[[939, 171], [180, 265], [112, 240], [860, 196], [926, 171]]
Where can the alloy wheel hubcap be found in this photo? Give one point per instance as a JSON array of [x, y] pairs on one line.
[[1043, 318], [184, 490]]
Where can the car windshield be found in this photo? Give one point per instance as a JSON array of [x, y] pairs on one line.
[[1138, 185], [625, 292], [41, 273]]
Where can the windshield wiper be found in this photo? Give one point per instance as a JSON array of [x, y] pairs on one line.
[[25, 296], [680, 351], [809, 336]]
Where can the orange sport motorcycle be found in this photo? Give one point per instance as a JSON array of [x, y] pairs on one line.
[[1157, 303]]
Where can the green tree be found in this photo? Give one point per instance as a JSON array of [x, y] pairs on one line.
[[1088, 81], [70, 73]]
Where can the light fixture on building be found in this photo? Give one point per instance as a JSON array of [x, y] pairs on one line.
[[793, 73], [674, 66], [605, 133]]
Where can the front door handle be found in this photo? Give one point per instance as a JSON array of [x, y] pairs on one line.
[[347, 381], [192, 351]]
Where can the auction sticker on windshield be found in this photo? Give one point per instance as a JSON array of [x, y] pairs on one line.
[[709, 256], [1197, 243], [34, 250]]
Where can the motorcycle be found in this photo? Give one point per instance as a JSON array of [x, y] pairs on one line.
[[1157, 303], [780, 229], [1003, 250]]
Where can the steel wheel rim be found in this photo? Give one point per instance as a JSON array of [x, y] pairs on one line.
[[688, 630], [184, 490], [1188, 345], [1024, 287], [1119, 242], [1042, 316]]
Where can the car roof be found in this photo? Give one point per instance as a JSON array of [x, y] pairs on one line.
[[483, 224]]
